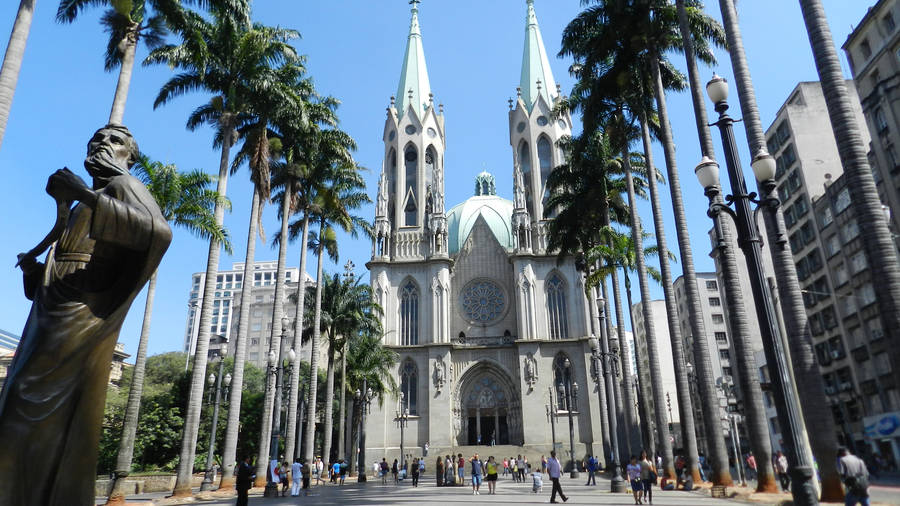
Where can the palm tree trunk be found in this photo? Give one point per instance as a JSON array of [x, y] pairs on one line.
[[265, 431], [118, 106], [293, 396], [810, 387], [328, 421], [12, 61], [647, 437], [622, 418], [659, 400], [634, 442], [314, 354], [198, 374], [605, 436], [341, 415], [715, 444], [682, 387], [229, 453], [132, 409]]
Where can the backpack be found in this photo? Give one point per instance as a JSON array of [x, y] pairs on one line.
[[858, 485]]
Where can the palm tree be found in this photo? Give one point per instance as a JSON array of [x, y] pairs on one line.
[[343, 192], [227, 57], [12, 60], [187, 202], [715, 445]]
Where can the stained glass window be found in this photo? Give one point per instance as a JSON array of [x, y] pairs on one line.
[[409, 314], [556, 307], [483, 301]]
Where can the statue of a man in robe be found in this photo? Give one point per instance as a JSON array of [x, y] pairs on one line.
[[51, 407]]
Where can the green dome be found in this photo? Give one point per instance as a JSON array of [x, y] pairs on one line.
[[497, 213]]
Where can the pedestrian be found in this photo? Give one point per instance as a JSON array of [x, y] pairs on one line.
[[244, 481], [520, 462], [319, 468], [591, 469], [383, 470], [491, 475], [553, 469], [335, 471], [701, 459], [679, 471], [633, 470], [648, 477], [439, 471], [415, 473], [855, 476], [543, 464], [537, 482], [449, 471], [781, 469], [477, 472], [461, 463], [283, 475], [395, 472], [307, 474], [505, 466], [343, 470], [515, 469], [296, 475], [751, 466]]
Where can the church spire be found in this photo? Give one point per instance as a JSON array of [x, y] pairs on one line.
[[414, 87], [537, 78]]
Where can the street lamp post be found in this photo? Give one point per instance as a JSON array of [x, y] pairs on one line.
[[276, 367], [210, 477], [750, 242], [365, 399], [568, 389], [727, 386], [402, 419], [600, 352]]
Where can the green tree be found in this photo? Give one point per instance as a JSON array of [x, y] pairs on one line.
[[187, 202], [12, 60]]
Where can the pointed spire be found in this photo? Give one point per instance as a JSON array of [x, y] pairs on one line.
[[414, 87], [537, 78]]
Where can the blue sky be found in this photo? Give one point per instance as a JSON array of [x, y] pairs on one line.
[[355, 49]]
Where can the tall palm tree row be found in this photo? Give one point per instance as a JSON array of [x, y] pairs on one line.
[[718, 453], [12, 60], [223, 54], [187, 202], [810, 388]]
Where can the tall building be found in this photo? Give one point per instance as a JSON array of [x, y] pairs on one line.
[[666, 367], [832, 267], [228, 287], [483, 317]]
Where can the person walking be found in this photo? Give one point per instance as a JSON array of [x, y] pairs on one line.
[[283, 476], [319, 467], [491, 475], [306, 471], [415, 473], [591, 469], [781, 469], [751, 466], [244, 481], [505, 466], [520, 463], [296, 475], [554, 469], [477, 472], [855, 476], [384, 469], [648, 477], [543, 464], [395, 471], [439, 471], [449, 471], [461, 463], [633, 470]]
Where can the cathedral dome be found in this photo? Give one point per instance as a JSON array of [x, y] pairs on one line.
[[496, 211]]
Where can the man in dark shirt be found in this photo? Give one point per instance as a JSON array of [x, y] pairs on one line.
[[244, 481]]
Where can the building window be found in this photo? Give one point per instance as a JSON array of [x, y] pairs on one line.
[[888, 22], [783, 133], [556, 307], [525, 164], [721, 338], [858, 262], [867, 294], [410, 206], [718, 318], [850, 230], [409, 382], [865, 49], [544, 159], [712, 285], [826, 217], [409, 314], [881, 124], [832, 245], [714, 301], [724, 355]]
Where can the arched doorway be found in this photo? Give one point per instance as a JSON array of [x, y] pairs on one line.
[[489, 409]]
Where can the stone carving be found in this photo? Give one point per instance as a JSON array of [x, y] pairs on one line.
[[106, 248], [531, 370], [482, 301], [439, 374], [518, 188], [381, 207], [437, 176]]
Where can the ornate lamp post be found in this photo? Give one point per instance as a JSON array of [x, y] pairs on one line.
[[276, 367], [402, 419], [568, 390], [750, 242], [210, 477], [365, 399], [551, 414], [600, 352], [727, 386]]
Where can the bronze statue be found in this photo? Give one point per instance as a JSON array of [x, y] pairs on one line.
[[104, 251]]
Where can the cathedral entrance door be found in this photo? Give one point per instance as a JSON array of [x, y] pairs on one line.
[[486, 409]]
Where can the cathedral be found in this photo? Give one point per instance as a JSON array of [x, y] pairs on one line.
[[487, 322]]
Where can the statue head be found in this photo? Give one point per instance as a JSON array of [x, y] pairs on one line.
[[112, 151]]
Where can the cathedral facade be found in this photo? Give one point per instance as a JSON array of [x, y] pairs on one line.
[[486, 321]]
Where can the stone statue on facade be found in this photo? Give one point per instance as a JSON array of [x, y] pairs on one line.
[[437, 177], [439, 374], [381, 207], [104, 251], [531, 371], [518, 188]]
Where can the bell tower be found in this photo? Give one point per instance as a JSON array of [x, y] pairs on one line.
[[533, 136], [410, 219]]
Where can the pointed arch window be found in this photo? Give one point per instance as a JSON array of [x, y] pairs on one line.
[[545, 159], [525, 164], [410, 207], [556, 307], [392, 185], [409, 314], [409, 383]]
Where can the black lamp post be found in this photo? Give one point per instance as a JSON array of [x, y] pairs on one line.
[[568, 390], [402, 419], [600, 352], [210, 477], [365, 399], [276, 367], [750, 242], [726, 384], [551, 415]]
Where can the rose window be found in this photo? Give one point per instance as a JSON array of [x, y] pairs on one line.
[[482, 301]]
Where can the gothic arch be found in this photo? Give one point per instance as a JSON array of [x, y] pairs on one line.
[[556, 293], [409, 386], [411, 185], [409, 298], [486, 402]]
